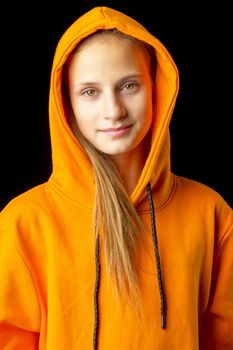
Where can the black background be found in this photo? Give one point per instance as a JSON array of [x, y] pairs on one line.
[[199, 40]]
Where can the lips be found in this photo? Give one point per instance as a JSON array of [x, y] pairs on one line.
[[120, 131]]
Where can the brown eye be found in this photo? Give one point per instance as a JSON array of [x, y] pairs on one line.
[[129, 86], [89, 92]]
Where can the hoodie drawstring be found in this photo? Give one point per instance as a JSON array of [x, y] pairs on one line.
[[159, 273], [96, 293], [157, 258]]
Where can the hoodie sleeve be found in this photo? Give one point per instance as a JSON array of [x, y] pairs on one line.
[[19, 308], [218, 330]]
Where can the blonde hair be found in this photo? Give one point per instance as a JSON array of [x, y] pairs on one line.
[[114, 215]]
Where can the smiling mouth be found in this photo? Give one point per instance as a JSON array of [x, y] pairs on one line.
[[122, 130]]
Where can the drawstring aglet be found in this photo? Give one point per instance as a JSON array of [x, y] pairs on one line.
[[163, 322]]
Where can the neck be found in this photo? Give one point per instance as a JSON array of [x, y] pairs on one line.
[[130, 166]]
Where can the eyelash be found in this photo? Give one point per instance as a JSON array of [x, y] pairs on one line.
[[86, 92], [128, 86], [132, 85]]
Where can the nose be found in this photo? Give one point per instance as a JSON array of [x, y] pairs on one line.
[[113, 107]]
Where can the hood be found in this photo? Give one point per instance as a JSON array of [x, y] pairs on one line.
[[72, 172]]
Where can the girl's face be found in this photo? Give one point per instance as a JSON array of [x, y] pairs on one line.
[[110, 90]]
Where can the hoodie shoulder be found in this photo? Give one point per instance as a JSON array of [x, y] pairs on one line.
[[200, 192], [25, 203]]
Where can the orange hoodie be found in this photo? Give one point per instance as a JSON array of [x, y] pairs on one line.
[[48, 262]]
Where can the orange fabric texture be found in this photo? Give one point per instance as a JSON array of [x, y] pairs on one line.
[[47, 251]]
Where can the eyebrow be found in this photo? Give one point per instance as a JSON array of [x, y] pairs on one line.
[[120, 81]]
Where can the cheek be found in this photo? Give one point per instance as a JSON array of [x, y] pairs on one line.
[[145, 109], [149, 105], [83, 114]]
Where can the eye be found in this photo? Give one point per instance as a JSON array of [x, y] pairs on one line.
[[89, 92], [130, 87]]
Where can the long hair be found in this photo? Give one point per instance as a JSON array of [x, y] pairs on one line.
[[114, 214]]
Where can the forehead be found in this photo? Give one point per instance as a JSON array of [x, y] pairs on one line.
[[108, 51], [110, 37]]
